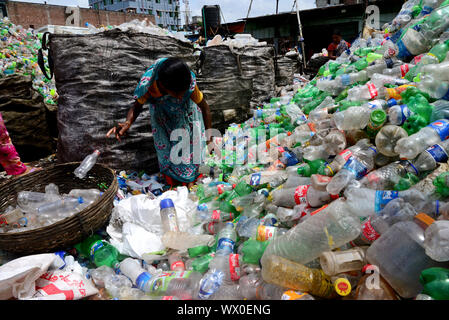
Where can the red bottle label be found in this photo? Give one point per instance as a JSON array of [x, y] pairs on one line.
[[234, 266], [301, 194], [369, 232]]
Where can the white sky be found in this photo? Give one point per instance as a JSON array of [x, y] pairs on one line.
[[232, 9]]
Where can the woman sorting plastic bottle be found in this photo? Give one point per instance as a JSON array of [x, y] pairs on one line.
[[175, 102]]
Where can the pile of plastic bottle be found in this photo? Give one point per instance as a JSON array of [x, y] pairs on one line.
[[328, 201], [139, 26], [41, 209], [18, 53], [319, 195]]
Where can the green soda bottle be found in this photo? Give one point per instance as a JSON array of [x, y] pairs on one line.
[[201, 264], [440, 51], [361, 64], [342, 96], [312, 167], [333, 67], [442, 184], [252, 250], [345, 104], [406, 182], [198, 251], [315, 102], [100, 252], [436, 283], [376, 121], [371, 57]]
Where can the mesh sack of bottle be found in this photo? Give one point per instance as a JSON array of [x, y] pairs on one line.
[[96, 76], [255, 62], [25, 116]]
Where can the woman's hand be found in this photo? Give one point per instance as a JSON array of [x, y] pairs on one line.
[[119, 130]]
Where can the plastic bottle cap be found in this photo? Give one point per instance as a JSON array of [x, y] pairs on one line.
[[378, 116], [342, 286], [423, 220], [97, 152], [80, 200], [392, 102], [167, 203]]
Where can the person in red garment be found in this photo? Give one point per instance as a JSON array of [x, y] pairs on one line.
[[338, 45], [9, 158]]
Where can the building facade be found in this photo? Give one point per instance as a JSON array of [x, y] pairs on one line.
[[34, 15], [166, 12]]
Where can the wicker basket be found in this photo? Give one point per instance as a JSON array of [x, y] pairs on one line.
[[66, 232]]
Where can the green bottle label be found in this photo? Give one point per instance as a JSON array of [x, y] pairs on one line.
[[97, 245]]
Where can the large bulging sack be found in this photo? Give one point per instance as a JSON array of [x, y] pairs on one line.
[[25, 117], [255, 62], [95, 77]]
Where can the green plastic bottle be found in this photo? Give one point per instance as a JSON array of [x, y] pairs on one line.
[[252, 250], [442, 184], [361, 64], [345, 104], [99, 251], [436, 283], [376, 121], [312, 167], [315, 102], [371, 57], [198, 251], [406, 182], [440, 51], [201, 264]]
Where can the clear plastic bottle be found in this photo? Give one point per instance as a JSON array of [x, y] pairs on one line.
[[86, 165], [344, 156], [353, 118], [230, 265], [354, 169], [410, 147], [176, 263], [370, 202], [86, 194], [387, 139], [400, 256], [397, 115], [169, 217], [253, 228], [60, 208], [366, 92], [180, 284], [29, 201], [326, 229], [183, 240], [436, 240], [226, 240], [429, 159], [386, 177], [285, 273], [52, 189], [335, 142], [399, 71]]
